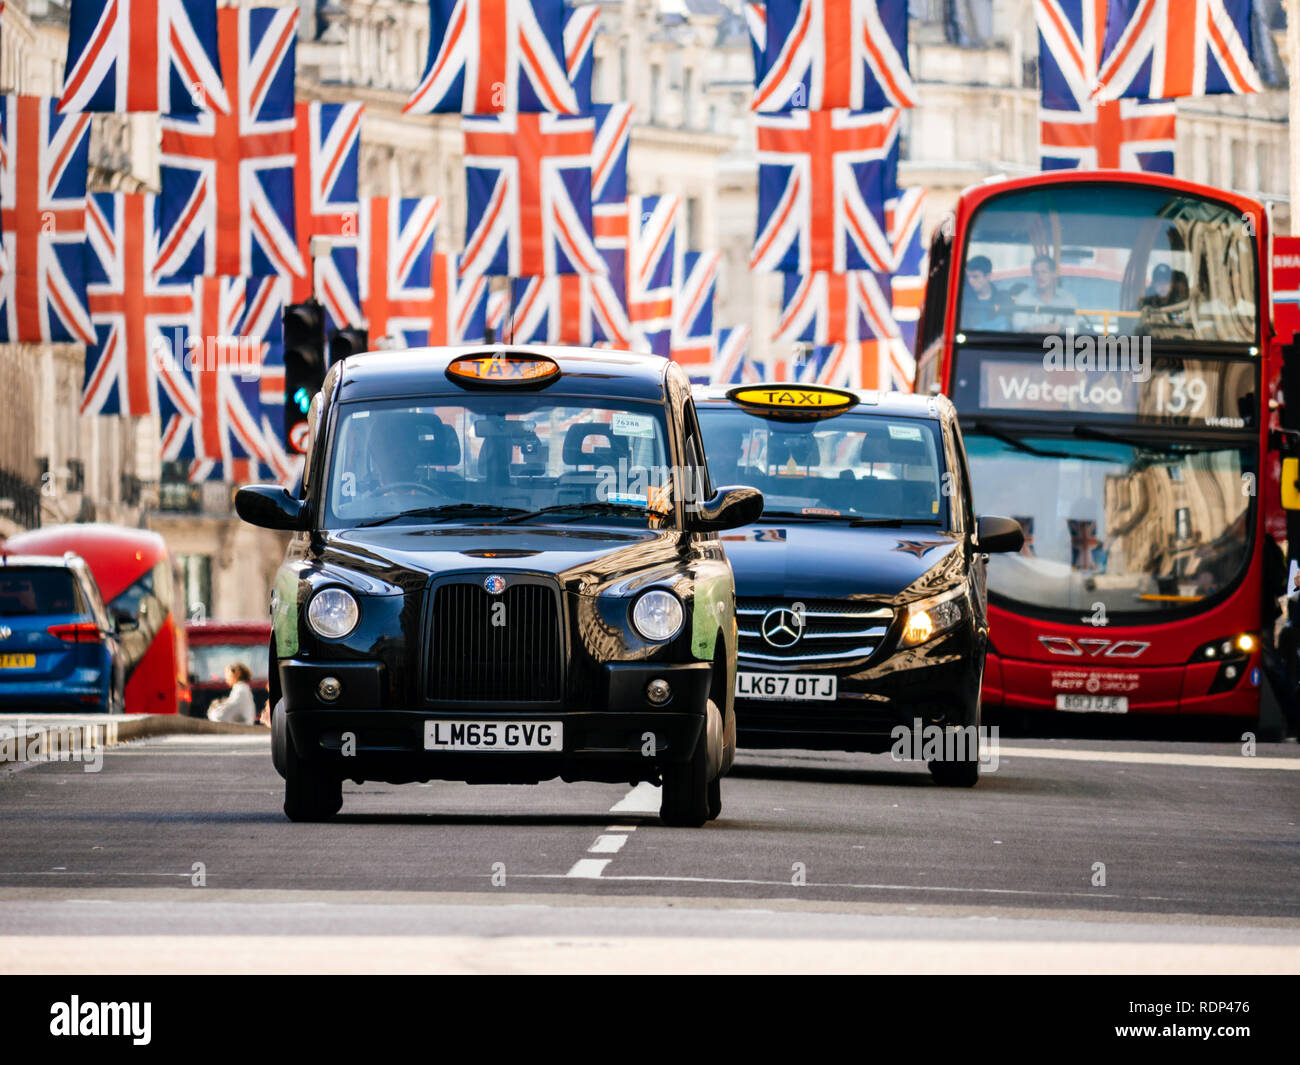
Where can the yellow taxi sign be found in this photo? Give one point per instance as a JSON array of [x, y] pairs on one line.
[[502, 368], [791, 399]]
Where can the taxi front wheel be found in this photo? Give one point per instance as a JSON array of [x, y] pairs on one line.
[[310, 794], [689, 798]]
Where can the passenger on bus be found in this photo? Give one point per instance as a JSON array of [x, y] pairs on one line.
[[1168, 287], [984, 306], [1046, 307]]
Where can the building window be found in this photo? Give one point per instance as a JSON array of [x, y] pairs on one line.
[[196, 585], [656, 78], [688, 98], [692, 222]]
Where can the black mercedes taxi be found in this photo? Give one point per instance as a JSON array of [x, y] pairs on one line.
[[505, 569], [860, 592]]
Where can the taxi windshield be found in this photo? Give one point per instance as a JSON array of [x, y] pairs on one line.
[[1111, 260], [498, 457], [865, 467]]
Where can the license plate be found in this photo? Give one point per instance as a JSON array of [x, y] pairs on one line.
[[17, 661], [1094, 704], [493, 735], [791, 686]]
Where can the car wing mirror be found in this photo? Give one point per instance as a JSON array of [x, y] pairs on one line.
[[270, 506], [124, 623], [999, 535], [729, 508]]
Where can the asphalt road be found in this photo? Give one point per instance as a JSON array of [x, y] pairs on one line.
[[819, 861]]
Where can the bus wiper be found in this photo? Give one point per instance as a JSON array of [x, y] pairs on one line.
[[894, 523], [578, 509], [1088, 432], [446, 512], [1020, 445]]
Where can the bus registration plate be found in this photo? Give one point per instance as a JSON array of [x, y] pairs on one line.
[[1093, 704]]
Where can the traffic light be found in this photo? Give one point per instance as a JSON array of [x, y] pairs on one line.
[[345, 342], [304, 367]]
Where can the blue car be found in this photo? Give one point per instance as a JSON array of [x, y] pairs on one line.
[[59, 649]]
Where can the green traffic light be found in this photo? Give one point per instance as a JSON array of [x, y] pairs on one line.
[[303, 398]]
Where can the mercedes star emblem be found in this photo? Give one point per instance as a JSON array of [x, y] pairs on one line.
[[782, 627]]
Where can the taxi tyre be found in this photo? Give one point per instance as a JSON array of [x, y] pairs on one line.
[[311, 793], [279, 736], [690, 798]]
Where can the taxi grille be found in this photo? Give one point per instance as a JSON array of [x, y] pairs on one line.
[[470, 659], [836, 632]]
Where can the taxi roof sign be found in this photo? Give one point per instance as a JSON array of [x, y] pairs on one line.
[[792, 400], [500, 368]]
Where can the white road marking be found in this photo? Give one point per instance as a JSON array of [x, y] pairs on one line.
[[607, 844], [1203, 761], [620, 828], [588, 868], [643, 799]]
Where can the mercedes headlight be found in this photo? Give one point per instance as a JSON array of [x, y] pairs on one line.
[[657, 615], [928, 618], [333, 613]]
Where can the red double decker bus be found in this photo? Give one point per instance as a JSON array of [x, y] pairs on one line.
[[1106, 338]]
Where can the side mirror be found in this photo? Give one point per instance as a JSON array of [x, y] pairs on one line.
[[730, 508], [998, 535], [271, 507], [124, 623]]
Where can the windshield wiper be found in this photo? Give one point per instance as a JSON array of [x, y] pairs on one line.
[[1015, 442], [895, 523], [1088, 432], [445, 512], [579, 509]]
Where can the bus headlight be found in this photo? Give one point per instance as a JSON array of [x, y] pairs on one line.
[[333, 613], [928, 618], [657, 615]]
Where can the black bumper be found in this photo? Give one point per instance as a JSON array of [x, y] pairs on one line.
[[938, 685], [626, 739]]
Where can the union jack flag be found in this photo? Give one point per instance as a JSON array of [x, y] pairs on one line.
[[227, 180], [651, 250], [609, 191], [566, 310], [579, 62], [327, 150], [396, 266], [143, 55], [210, 412], [1163, 48], [1084, 545], [907, 284], [821, 54], [756, 22], [824, 308], [694, 287], [823, 180], [498, 312], [43, 157], [1075, 129], [861, 364], [528, 179], [490, 57], [731, 362], [459, 305], [139, 318]]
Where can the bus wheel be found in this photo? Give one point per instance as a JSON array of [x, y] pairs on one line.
[[311, 793]]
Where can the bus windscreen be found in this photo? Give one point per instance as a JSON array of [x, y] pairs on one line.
[[1121, 260]]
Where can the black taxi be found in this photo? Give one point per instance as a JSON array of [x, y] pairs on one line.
[[505, 569], [861, 595]]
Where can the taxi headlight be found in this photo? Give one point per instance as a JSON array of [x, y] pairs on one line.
[[929, 618], [657, 615], [333, 613]]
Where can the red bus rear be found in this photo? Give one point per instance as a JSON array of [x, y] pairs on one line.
[[1106, 337], [134, 574]]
